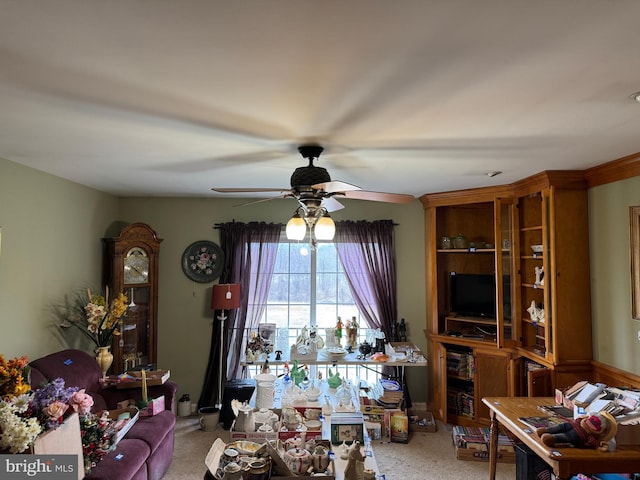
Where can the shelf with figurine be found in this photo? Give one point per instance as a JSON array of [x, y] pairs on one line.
[[312, 348]]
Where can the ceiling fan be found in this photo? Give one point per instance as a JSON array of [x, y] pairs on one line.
[[312, 186], [314, 190]]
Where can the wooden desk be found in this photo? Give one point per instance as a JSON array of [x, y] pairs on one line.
[[565, 462]]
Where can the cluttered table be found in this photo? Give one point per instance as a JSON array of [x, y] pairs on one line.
[[566, 462]]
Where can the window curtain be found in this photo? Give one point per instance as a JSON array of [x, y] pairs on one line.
[[367, 253], [249, 259]]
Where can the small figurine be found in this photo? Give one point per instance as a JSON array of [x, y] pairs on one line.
[[316, 342], [402, 331], [352, 333], [592, 431], [339, 331], [536, 314], [250, 355], [303, 338], [355, 460], [539, 276], [334, 381], [297, 374], [265, 367], [394, 332]]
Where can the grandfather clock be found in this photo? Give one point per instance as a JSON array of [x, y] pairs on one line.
[[131, 267]]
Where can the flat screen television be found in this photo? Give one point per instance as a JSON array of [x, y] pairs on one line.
[[473, 295]]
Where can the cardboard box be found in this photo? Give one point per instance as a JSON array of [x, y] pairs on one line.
[[257, 437], [212, 461], [134, 379], [422, 421], [478, 455], [308, 435], [134, 414], [154, 407], [64, 440]]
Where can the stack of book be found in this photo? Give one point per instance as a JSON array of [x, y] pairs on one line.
[[388, 393], [460, 401], [472, 443], [460, 364]]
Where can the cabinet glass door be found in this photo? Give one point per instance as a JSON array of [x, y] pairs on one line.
[[504, 226], [533, 246]]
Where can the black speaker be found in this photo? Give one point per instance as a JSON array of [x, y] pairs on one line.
[[237, 389], [529, 466]]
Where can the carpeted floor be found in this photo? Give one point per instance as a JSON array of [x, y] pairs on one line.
[[427, 456]]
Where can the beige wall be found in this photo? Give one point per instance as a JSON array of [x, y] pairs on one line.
[[51, 231], [615, 333]]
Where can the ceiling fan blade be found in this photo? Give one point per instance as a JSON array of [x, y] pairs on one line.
[[335, 186], [331, 204], [262, 200], [378, 196], [249, 190]]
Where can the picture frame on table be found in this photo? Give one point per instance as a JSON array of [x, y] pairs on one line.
[[267, 331]]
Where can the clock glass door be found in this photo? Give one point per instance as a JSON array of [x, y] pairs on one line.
[[134, 340]]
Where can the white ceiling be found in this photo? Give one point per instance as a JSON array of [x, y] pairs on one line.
[[171, 98]]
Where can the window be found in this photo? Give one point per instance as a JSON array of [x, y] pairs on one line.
[[309, 288]]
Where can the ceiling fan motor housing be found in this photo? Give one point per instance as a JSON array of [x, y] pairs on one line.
[[309, 175]]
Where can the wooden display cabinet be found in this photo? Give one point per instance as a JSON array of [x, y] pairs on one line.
[[553, 212], [550, 210]]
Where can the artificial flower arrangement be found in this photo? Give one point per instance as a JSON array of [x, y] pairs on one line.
[[98, 319], [25, 414]]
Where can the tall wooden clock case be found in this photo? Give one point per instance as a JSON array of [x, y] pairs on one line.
[[131, 267]]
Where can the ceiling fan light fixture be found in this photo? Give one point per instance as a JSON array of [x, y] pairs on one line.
[[325, 228], [296, 227], [635, 97]]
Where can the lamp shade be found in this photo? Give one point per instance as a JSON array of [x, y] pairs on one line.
[[296, 227], [324, 228], [225, 296]]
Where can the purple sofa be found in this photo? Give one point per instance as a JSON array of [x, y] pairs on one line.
[[146, 451]]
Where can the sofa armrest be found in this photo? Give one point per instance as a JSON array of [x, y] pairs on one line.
[[169, 389]]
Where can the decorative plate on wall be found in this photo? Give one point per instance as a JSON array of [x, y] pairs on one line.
[[202, 261]]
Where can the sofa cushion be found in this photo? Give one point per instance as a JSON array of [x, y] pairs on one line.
[[128, 460], [154, 429], [160, 460], [74, 366]]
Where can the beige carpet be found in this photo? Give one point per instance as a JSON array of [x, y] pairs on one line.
[[427, 456]]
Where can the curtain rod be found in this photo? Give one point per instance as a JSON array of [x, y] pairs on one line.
[[218, 225]]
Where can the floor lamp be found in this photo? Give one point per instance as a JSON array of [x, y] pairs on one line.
[[224, 297]]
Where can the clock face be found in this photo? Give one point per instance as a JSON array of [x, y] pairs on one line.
[[136, 266]]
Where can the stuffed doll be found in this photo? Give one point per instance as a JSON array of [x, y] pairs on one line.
[[593, 431]]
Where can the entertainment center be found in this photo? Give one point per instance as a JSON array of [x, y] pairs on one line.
[[509, 304]]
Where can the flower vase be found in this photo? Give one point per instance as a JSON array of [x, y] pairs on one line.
[[104, 358]]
